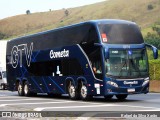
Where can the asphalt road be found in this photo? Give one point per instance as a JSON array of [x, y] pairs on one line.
[[10, 101]]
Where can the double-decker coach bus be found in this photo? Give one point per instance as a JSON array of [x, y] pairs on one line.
[[93, 58]]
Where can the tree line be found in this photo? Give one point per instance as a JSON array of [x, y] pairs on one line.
[[154, 38]]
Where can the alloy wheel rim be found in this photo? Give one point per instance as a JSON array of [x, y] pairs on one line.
[[25, 89], [72, 91], [84, 91]]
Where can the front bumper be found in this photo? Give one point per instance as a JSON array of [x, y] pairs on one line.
[[111, 90]]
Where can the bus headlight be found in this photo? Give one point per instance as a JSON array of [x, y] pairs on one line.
[[112, 83], [146, 81]]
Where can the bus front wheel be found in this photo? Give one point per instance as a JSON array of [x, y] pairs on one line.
[[20, 89], [108, 97], [121, 97]]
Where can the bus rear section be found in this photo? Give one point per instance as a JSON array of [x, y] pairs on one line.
[[94, 58]]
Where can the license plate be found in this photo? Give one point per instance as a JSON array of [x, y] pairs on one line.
[[131, 90]]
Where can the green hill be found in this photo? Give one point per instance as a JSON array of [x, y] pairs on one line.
[[144, 12]]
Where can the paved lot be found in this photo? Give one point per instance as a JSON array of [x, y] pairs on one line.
[[10, 101]]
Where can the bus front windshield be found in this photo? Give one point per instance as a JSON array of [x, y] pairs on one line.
[[127, 63]]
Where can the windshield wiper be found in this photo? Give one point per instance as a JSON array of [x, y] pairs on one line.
[[120, 73], [135, 67]]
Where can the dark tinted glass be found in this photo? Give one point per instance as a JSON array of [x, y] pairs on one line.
[[121, 33], [65, 67], [67, 36]]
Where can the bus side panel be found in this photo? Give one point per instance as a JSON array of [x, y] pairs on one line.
[[42, 81]]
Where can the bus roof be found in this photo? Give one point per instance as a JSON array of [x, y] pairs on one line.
[[91, 22], [80, 33]]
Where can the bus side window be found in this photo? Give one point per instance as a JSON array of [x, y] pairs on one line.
[[95, 58], [47, 68], [71, 67]]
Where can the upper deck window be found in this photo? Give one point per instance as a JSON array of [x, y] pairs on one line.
[[120, 34]]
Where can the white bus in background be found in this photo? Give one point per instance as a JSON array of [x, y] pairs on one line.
[[3, 80]]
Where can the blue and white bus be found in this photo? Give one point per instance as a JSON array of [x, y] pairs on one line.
[[93, 58]]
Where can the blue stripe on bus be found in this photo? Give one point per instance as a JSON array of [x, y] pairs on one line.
[[37, 85], [45, 84], [57, 85], [34, 57]]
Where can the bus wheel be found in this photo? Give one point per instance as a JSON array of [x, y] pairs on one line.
[[20, 89], [72, 91], [26, 89], [3, 86], [107, 97], [84, 93], [121, 97], [27, 92]]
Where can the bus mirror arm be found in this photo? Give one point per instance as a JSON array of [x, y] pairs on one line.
[[154, 49]]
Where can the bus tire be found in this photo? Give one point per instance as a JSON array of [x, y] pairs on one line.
[[3, 86], [27, 91], [20, 89], [84, 93], [121, 97], [108, 97], [72, 91]]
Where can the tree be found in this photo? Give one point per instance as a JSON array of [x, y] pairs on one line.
[[2, 36], [153, 39], [150, 7], [66, 12], [28, 12]]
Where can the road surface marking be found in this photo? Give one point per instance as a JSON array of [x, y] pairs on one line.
[[9, 96], [2, 105], [21, 99], [89, 106], [70, 107]]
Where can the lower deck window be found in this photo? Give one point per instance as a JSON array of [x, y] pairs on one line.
[[64, 67]]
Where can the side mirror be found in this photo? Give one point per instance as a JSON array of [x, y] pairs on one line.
[[154, 49]]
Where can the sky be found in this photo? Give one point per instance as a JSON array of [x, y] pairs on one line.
[[10, 8]]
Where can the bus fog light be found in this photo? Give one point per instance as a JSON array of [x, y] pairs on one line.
[[112, 83]]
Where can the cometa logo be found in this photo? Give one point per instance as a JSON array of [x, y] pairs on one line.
[[59, 54], [131, 82]]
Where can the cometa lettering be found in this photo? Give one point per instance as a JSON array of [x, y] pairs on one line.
[[133, 82], [59, 54]]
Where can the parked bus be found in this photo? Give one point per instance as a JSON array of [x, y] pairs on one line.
[[3, 81], [93, 58]]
